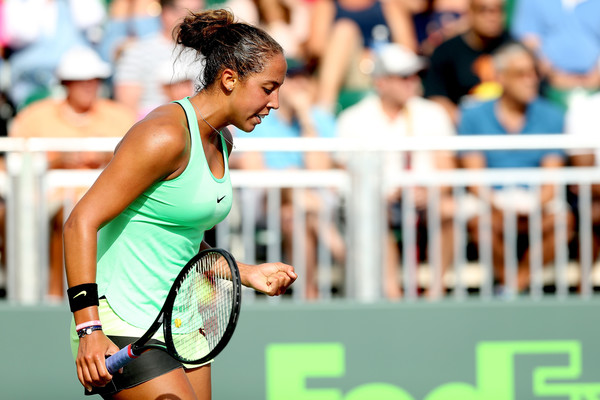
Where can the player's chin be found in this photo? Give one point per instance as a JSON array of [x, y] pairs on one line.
[[253, 121], [247, 126]]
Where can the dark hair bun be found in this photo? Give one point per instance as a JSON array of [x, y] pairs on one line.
[[199, 31], [225, 43]]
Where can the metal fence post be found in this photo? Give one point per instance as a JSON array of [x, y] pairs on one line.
[[367, 246], [27, 261]]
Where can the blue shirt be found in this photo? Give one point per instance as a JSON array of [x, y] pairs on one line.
[[275, 127], [542, 117], [570, 36]]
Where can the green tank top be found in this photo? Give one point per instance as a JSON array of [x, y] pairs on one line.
[[141, 251]]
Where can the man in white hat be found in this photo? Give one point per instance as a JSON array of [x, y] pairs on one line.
[[81, 113], [176, 79], [398, 110]]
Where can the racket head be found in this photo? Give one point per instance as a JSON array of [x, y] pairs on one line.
[[204, 305]]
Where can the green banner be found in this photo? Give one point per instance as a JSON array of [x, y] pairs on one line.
[[518, 350], [448, 351], [288, 366]]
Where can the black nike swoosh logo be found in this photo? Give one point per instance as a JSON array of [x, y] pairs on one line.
[[219, 200]]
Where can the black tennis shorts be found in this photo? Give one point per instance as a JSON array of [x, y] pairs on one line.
[[149, 365]]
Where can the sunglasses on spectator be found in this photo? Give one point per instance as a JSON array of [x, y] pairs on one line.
[[483, 9], [521, 73], [400, 76]]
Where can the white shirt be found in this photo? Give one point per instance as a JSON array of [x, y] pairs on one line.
[[582, 119], [366, 119]]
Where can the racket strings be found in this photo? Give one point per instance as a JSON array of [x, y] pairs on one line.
[[202, 308]]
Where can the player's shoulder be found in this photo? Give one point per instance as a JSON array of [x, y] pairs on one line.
[[163, 132]]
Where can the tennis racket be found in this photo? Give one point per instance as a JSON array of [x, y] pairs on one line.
[[199, 314]]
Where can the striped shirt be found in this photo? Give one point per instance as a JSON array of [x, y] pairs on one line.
[[139, 63]]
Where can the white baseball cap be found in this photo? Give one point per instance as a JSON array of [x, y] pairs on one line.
[[81, 64], [174, 71], [395, 59], [184, 65]]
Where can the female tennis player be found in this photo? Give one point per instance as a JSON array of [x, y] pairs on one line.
[[146, 214]]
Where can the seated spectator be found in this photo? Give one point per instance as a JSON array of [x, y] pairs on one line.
[[176, 80], [135, 81], [288, 21], [519, 111], [565, 35], [436, 21], [342, 36], [582, 119], [7, 108], [244, 10], [38, 34], [6, 114], [127, 20], [461, 67], [82, 113], [396, 109], [298, 117]]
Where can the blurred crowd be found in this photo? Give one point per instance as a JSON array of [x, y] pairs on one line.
[[370, 69]]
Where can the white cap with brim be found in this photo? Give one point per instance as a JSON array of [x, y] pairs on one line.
[[174, 71], [184, 65], [82, 64], [394, 59]]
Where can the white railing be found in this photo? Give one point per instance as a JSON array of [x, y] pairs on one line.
[[360, 190]]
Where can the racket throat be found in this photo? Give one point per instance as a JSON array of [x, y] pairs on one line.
[[134, 351]]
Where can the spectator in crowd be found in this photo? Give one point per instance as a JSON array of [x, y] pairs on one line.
[[7, 109], [297, 116], [582, 120], [519, 111], [6, 113], [397, 110], [38, 33], [342, 36], [82, 113], [436, 21], [135, 81], [565, 35], [461, 66], [176, 80], [127, 20], [288, 21]]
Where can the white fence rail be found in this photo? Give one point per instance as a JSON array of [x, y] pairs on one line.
[[359, 214]]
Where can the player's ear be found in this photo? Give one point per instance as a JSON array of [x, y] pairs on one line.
[[229, 79]]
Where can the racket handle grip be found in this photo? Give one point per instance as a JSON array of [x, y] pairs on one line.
[[121, 358]]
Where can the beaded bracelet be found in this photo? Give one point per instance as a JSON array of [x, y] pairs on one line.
[[87, 330]]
